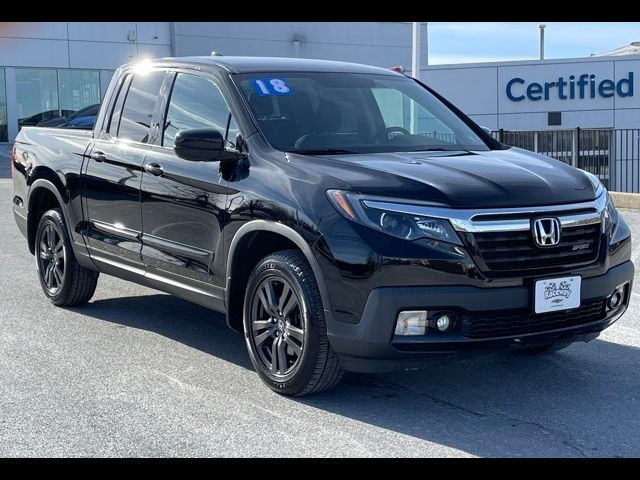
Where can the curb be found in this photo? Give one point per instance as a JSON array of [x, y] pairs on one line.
[[626, 200]]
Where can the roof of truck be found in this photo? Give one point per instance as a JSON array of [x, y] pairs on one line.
[[274, 64]]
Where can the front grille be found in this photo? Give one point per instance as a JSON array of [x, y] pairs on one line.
[[508, 251], [519, 322]]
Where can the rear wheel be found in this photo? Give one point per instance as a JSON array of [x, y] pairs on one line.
[[63, 280], [285, 329], [551, 347]]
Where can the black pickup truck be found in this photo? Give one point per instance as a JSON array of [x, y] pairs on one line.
[[342, 216]]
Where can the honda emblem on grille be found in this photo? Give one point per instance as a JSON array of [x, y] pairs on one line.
[[546, 232]]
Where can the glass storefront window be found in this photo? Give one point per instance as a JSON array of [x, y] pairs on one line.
[[37, 95], [57, 97], [3, 108], [78, 89]]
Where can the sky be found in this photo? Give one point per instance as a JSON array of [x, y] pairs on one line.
[[464, 42]]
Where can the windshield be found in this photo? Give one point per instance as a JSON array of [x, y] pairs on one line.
[[315, 112]]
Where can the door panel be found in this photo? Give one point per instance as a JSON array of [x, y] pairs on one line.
[[112, 199], [113, 172], [183, 209], [183, 202]]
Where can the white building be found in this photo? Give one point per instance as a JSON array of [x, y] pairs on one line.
[[592, 92], [48, 69]]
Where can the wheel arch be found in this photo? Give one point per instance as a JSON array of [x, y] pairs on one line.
[[41, 193], [289, 236]]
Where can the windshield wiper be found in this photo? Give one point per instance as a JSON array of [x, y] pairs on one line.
[[324, 151]]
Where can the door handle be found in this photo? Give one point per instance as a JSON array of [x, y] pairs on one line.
[[154, 169], [98, 156]]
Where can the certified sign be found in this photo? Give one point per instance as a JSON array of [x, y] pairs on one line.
[[572, 87], [557, 294]]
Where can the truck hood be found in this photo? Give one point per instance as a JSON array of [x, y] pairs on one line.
[[491, 179]]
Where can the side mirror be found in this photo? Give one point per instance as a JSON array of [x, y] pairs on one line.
[[487, 130], [199, 144]]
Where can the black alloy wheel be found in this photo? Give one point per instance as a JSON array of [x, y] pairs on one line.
[[51, 257], [277, 326], [64, 281], [285, 329]]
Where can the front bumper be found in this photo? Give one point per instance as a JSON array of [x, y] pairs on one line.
[[369, 345]]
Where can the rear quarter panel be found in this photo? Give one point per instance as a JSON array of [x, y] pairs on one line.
[[55, 155]]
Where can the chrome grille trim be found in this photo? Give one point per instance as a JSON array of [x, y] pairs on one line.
[[463, 219]]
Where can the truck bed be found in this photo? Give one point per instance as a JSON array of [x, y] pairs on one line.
[[55, 141], [55, 154]]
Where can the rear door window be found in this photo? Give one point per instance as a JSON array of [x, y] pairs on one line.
[[140, 102], [114, 121]]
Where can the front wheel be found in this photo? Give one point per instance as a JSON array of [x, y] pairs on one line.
[[63, 280], [285, 329]]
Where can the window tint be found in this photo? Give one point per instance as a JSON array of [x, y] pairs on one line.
[[232, 134], [359, 113], [138, 107], [196, 102], [117, 107], [401, 111], [346, 104]]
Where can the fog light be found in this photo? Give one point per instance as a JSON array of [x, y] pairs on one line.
[[444, 322], [412, 322], [615, 299]]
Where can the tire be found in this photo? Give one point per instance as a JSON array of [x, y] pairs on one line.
[[63, 280], [552, 347], [285, 329]]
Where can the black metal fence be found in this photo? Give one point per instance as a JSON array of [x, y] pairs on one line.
[[611, 155]]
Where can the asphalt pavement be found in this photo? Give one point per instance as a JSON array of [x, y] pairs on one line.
[[140, 373]]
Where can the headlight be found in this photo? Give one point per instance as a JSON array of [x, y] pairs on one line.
[[391, 219], [610, 214]]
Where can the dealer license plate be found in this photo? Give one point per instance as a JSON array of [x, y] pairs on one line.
[[554, 294]]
